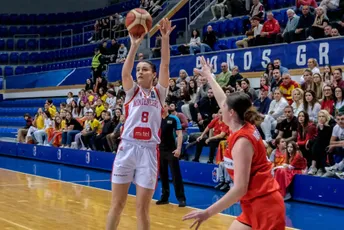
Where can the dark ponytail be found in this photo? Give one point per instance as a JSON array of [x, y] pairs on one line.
[[241, 103]]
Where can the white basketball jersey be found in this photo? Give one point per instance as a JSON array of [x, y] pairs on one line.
[[143, 117]]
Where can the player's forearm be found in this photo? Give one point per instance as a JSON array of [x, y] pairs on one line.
[[129, 61], [226, 201], [164, 74], [220, 96]]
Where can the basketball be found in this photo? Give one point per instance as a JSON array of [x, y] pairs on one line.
[[138, 22]]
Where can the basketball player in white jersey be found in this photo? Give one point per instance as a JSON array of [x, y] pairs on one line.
[[137, 157]]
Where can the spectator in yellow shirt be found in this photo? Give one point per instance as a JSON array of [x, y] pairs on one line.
[[90, 97], [37, 124], [99, 108], [51, 108], [287, 87], [102, 94], [92, 127]]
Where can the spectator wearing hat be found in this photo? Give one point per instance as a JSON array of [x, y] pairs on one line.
[[263, 102], [251, 34]]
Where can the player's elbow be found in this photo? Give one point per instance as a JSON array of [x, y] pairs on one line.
[[241, 189]]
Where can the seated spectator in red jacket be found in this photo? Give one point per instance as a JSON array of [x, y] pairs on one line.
[[295, 165], [220, 130], [269, 32]]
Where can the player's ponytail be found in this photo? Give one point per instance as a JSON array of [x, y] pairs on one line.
[[251, 115]]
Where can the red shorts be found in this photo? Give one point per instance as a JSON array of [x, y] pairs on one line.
[[264, 213]]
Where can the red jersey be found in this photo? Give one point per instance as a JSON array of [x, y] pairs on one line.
[[261, 181], [218, 126]]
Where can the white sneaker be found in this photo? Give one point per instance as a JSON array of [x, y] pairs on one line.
[[310, 38], [229, 16], [222, 18], [287, 196], [320, 172], [214, 19], [312, 171], [340, 175]]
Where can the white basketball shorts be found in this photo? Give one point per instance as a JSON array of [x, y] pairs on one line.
[[135, 163]]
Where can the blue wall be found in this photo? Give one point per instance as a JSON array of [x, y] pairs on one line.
[[293, 56], [311, 189]]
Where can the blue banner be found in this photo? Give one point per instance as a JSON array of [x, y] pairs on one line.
[[293, 56]]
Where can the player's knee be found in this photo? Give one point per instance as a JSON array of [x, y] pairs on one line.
[[142, 209], [117, 206]]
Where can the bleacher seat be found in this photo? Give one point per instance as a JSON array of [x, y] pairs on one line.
[[2, 44], [24, 58], [10, 44], [4, 58], [8, 71], [21, 44], [19, 70], [14, 58]]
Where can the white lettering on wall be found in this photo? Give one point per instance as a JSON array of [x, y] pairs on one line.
[[247, 60], [265, 58], [323, 53], [230, 60], [301, 58]]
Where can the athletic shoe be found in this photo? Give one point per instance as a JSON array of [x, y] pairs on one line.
[[340, 175], [287, 197], [225, 187], [312, 171], [162, 202], [320, 172], [219, 185], [182, 204]]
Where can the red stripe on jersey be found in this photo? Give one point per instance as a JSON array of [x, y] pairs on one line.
[[158, 162], [132, 98], [157, 93]]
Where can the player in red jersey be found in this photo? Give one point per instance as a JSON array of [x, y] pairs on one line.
[[246, 161], [137, 156]]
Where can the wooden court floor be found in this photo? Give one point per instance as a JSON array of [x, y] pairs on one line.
[[36, 203]]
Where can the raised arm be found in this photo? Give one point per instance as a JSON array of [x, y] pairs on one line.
[[127, 79], [166, 28], [220, 96]]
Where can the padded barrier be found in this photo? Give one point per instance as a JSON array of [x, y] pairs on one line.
[[293, 56], [311, 189]]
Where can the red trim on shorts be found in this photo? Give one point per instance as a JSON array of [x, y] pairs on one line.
[[158, 162]]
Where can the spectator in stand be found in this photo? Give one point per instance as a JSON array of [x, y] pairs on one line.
[[275, 111], [327, 102], [207, 107], [96, 35], [311, 105], [334, 32], [99, 108], [41, 135], [192, 91], [111, 99], [220, 130], [246, 88], [51, 108], [140, 56], [89, 84], [257, 10], [297, 97], [306, 131], [287, 129], [269, 72], [235, 76], [256, 29], [103, 48], [312, 64], [327, 31], [223, 78], [264, 81], [329, 5], [202, 93], [278, 65], [320, 22], [312, 4], [122, 54], [269, 31], [54, 138], [193, 46], [114, 138], [145, 4], [338, 100], [219, 7], [155, 7], [209, 38], [338, 77], [318, 86], [340, 24], [101, 83], [183, 76], [263, 103], [289, 30], [92, 127], [287, 87], [305, 23], [107, 128], [295, 165], [113, 50], [319, 144], [173, 92], [23, 132], [278, 156], [308, 80], [105, 28], [69, 98], [156, 50], [73, 128], [37, 124], [102, 94]]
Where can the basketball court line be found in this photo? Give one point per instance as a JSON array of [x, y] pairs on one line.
[[59, 181], [15, 224], [88, 186]]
